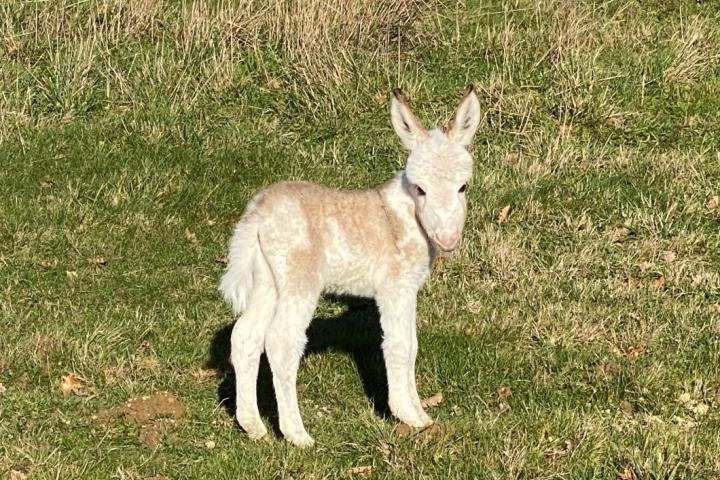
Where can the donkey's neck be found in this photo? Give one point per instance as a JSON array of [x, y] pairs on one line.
[[396, 197]]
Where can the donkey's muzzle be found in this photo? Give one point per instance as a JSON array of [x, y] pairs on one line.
[[447, 242]]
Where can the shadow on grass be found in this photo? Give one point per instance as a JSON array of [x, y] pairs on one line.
[[355, 332]]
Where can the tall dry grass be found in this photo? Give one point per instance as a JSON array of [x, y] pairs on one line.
[[85, 55]]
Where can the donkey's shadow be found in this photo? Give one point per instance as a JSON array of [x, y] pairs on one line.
[[356, 332]]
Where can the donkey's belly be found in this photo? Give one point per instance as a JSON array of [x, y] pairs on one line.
[[357, 276]]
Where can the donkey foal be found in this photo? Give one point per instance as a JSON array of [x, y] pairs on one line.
[[297, 240]]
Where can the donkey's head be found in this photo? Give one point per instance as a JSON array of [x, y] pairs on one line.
[[439, 167]]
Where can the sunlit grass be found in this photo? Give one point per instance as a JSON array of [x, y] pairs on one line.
[[574, 336]]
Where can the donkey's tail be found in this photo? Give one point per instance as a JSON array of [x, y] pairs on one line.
[[237, 282]]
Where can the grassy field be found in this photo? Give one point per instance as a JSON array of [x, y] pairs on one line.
[[575, 335]]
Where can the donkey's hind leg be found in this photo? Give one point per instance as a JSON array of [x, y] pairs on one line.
[[284, 345], [248, 336]]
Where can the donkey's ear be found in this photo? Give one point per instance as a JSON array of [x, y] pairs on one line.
[[467, 118], [408, 128]]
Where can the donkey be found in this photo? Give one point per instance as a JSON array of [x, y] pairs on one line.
[[297, 240]]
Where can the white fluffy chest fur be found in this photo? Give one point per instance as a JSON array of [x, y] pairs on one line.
[[393, 247]]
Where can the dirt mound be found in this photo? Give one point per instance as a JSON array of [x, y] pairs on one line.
[[154, 415]]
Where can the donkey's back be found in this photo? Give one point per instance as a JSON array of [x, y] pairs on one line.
[[322, 239]]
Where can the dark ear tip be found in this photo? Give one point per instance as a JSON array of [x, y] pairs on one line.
[[469, 88], [398, 96]]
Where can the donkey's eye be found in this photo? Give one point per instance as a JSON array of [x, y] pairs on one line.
[[419, 190], [463, 188]]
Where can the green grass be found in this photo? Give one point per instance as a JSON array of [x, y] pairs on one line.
[[134, 132]]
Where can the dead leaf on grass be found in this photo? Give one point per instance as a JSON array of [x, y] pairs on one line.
[[2, 389], [658, 282], [503, 215], [626, 474], [71, 384], [362, 470], [669, 256], [433, 401], [47, 264], [635, 351], [190, 236], [380, 97], [503, 391]]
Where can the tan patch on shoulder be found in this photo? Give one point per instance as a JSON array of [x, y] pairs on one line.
[[367, 224]]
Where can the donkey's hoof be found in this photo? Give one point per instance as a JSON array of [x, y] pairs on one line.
[[257, 433], [410, 416], [255, 428], [301, 439], [423, 423], [426, 420], [418, 422]]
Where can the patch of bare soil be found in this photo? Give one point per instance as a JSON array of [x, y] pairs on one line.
[[154, 415]]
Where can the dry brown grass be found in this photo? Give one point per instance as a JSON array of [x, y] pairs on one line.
[[327, 47], [692, 51], [324, 49]]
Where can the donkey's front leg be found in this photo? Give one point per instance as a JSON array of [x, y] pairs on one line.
[[397, 318], [417, 403]]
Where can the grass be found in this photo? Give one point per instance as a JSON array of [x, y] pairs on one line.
[[577, 338]]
